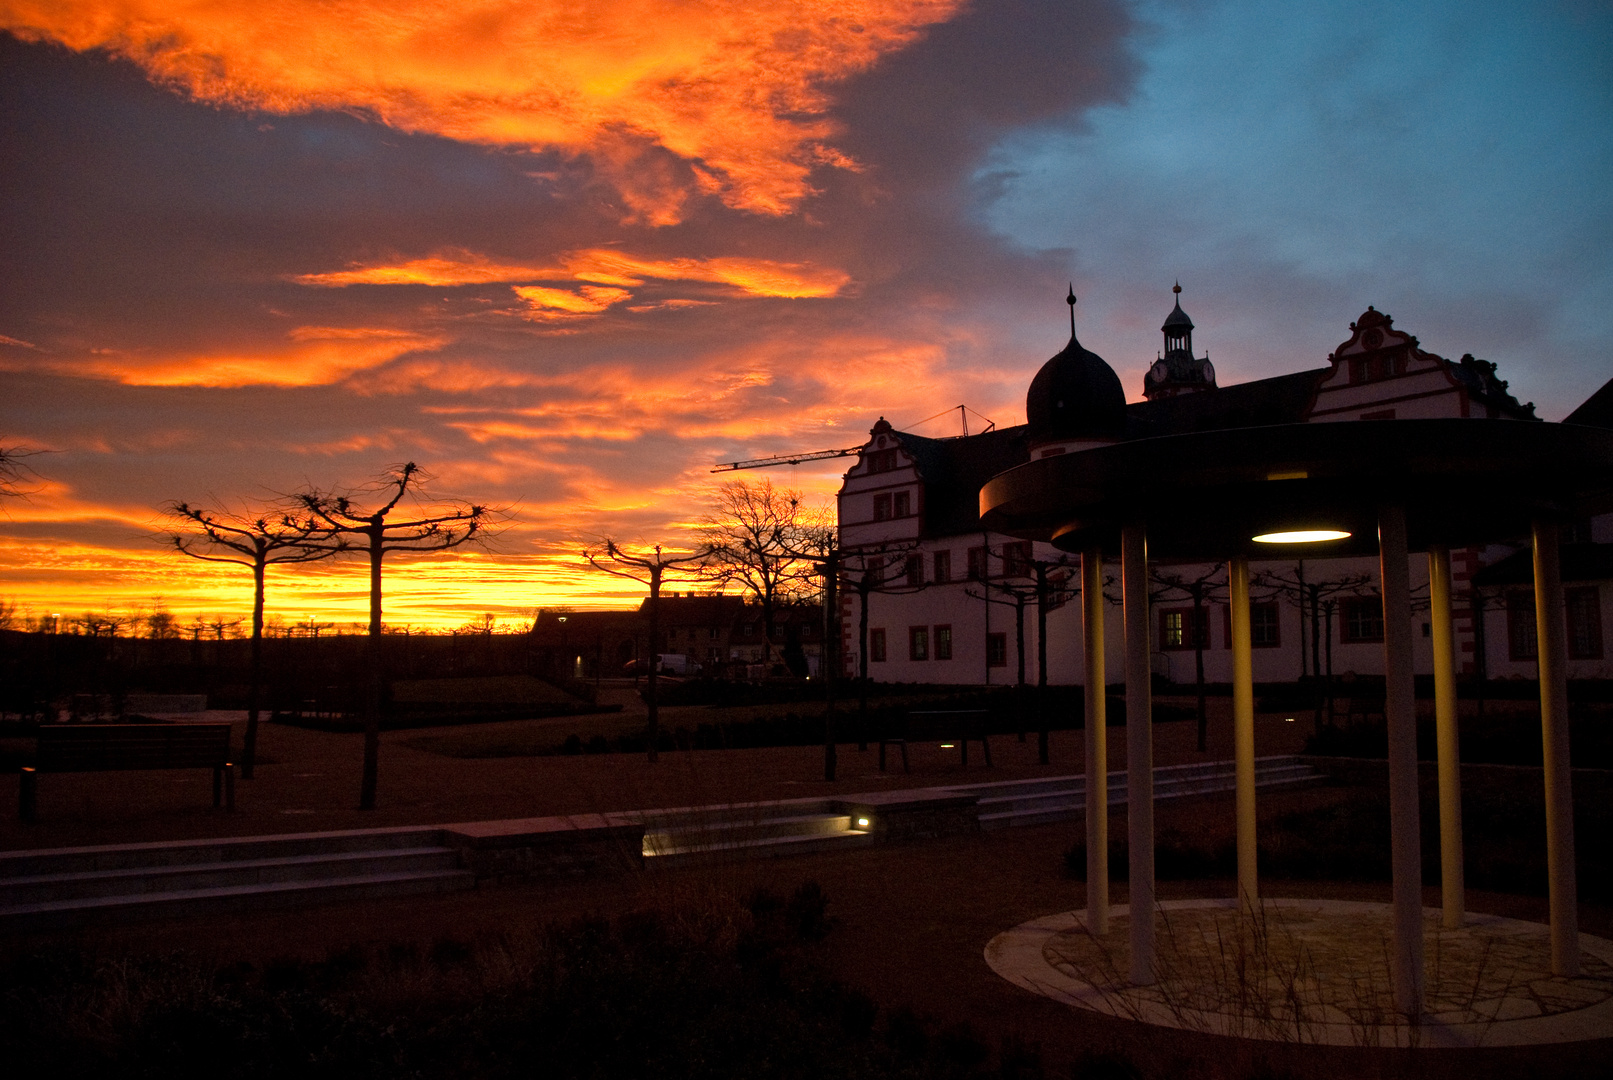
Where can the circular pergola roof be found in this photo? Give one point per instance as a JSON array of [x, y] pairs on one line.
[[1204, 495]]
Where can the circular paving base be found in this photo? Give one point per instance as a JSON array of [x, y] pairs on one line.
[[1317, 971]]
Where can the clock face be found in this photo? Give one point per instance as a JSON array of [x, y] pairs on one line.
[[1160, 371], [1209, 372]]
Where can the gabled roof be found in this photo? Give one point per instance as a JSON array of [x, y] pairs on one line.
[[1281, 399], [1597, 411], [707, 610], [954, 471]]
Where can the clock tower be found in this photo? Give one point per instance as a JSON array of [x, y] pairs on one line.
[[1177, 371]]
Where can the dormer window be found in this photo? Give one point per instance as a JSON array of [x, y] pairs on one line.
[[880, 461]]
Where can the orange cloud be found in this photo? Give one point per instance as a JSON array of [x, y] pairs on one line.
[[738, 92], [318, 356], [599, 266]]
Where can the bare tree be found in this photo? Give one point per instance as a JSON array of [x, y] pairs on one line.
[[14, 472], [651, 570], [255, 541], [373, 530], [761, 538], [1201, 590], [1316, 599]]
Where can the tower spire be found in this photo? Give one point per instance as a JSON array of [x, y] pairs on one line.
[[1070, 299]]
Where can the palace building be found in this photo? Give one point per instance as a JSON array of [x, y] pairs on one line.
[[931, 596]]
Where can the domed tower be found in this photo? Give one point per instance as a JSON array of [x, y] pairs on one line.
[[1177, 371], [1076, 400]]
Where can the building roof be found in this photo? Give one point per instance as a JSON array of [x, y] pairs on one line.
[[706, 609], [954, 471], [1597, 411], [1281, 399]]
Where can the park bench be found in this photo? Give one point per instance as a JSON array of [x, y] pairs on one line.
[[961, 726], [106, 747]]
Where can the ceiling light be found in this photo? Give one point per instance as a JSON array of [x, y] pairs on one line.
[[1301, 536]]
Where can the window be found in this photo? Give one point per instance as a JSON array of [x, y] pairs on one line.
[[714, 633], [943, 642], [943, 567], [977, 564], [876, 646], [1263, 626], [750, 629], [1017, 559], [1521, 641], [996, 650], [1264, 632], [903, 506], [874, 570], [915, 571], [1584, 610], [1174, 626], [918, 643], [879, 461], [1360, 619], [882, 507]]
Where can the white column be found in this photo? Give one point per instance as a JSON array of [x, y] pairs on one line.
[[1243, 732], [1450, 760], [1097, 744], [1551, 629], [1139, 751], [1400, 711]]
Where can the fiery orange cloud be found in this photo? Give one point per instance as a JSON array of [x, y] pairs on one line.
[[545, 304], [736, 91], [317, 356], [599, 266]]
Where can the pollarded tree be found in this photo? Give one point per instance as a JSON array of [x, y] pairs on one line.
[[647, 569], [1201, 590], [363, 521], [255, 541]]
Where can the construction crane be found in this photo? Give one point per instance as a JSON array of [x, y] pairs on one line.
[[819, 455]]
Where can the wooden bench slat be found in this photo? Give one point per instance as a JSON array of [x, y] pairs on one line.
[[113, 747]]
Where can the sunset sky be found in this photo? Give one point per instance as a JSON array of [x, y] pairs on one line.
[[569, 254]]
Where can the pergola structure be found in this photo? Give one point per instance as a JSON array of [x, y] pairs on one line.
[[1389, 487]]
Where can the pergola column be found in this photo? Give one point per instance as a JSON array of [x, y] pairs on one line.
[[1139, 751], [1400, 712], [1097, 744], [1243, 731], [1450, 760], [1552, 643]]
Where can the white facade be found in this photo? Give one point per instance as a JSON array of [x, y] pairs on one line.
[[906, 497]]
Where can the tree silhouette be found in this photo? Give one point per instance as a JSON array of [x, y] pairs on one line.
[[1200, 590], [256, 542], [651, 570], [13, 472], [1317, 599], [762, 539], [867, 571], [373, 531]]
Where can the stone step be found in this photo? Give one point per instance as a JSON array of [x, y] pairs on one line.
[[190, 902], [1060, 798], [714, 833], [183, 877], [31, 863], [799, 844]]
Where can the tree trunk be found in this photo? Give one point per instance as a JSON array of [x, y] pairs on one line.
[[1299, 592], [653, 725], [862, 662], [1200, 632], [249, 752], [1329, 680], [372, 699], [826, 666], [1041, 664]]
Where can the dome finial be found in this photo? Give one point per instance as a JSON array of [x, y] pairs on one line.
[[1070, 299], [1177, 288]]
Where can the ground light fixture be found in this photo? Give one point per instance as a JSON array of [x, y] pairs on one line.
[[1301, 536], [862, 823]]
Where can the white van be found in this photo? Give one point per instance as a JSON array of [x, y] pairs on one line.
[[676, 664]]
